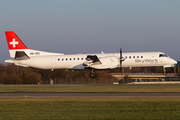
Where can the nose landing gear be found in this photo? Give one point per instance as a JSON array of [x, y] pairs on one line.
[[164, 70]]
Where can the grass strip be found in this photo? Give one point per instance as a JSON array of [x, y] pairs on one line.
[[124, 88], [90, 108]]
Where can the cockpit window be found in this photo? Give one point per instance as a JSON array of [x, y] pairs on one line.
[[163, 55]]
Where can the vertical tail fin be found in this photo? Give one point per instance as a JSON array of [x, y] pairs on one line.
[[14, 43]]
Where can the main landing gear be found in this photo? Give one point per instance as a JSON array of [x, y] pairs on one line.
[[93, 74]]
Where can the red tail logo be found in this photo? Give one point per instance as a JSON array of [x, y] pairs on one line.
[[13, 41]]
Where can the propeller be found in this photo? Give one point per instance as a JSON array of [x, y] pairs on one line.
[[120, 69]]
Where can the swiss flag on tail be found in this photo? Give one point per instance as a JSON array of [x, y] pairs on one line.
[[13, 41]]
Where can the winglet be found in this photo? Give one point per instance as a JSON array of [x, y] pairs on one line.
[[13, 41]]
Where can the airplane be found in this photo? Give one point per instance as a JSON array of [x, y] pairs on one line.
[[22, 56]]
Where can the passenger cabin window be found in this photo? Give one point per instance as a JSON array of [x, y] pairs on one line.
[[137, 56], [133, 56], [74, 58], [129, 57], [141, 56]]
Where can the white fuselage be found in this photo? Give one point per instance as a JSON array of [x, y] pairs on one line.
[[22, 56], [75, 61]]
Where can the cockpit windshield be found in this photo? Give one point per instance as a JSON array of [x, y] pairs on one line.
[[163, 55]]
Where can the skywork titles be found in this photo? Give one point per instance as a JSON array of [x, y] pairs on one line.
[[146, 61]]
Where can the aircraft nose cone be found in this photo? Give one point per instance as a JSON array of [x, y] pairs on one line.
[[175, 62]]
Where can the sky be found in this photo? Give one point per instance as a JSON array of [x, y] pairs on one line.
[[92, 26]]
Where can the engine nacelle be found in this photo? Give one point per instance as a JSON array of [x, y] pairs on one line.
[[106, 63]]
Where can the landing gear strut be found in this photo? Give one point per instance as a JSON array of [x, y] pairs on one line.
[[164, 70], [93, 74]]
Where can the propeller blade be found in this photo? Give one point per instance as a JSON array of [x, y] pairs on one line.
[[120, 60]]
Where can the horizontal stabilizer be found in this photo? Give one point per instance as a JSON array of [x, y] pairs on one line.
[[21, 55], [21, 65]]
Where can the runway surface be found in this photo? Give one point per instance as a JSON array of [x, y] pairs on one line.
[[86, 94]]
